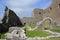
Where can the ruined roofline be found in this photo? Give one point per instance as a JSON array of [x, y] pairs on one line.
[[6, 9], [53, 3], [37, 9]]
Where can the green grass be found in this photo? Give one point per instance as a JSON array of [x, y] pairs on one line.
[[54, 39], [36, 33], [32, 25], [2, 36], [56, 30]]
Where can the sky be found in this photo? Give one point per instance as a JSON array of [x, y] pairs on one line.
[[23, 8]]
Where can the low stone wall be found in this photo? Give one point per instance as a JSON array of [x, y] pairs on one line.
[[21, 35], [35, 38], [14, 28]]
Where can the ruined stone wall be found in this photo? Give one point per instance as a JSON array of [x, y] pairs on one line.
[[54, 11], [28, 20], [38, 14]]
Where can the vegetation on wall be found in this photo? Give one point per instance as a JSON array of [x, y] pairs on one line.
[[46, 27]]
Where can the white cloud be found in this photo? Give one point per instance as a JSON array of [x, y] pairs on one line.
[[16, 9], [21, 6], [21, 2], [23, 11]]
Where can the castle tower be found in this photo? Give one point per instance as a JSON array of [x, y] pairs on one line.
[[5, 18], [54, 11], [37, 14]]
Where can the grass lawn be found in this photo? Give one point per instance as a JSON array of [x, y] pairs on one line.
[[54, 39], [2, 36], [56, 30], [36, 33]]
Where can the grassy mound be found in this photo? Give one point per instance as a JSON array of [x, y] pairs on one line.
[[56, 30], [36, 33]]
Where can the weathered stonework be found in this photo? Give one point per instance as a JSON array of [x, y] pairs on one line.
[[39, 17], [54, 11], [11, 19], [39, 14]]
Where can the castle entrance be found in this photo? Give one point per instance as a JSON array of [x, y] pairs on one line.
[[46, 24]]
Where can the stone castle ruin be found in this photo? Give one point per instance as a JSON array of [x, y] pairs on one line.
[[53, 12], [38, 15]]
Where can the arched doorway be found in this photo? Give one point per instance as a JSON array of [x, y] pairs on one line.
[[46, 24]]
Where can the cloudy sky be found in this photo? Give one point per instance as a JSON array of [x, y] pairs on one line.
[[23, 8]]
